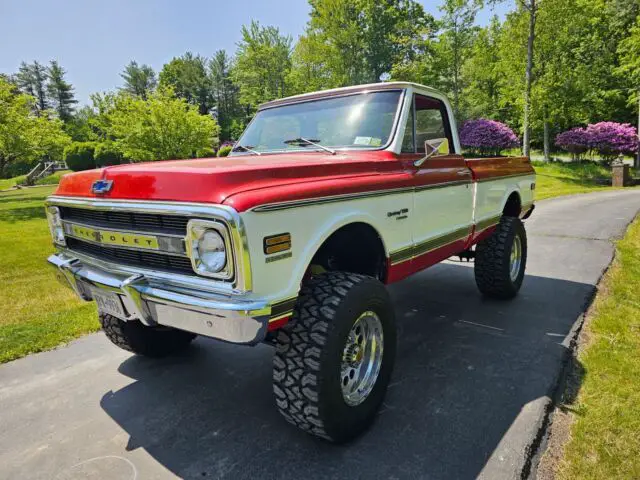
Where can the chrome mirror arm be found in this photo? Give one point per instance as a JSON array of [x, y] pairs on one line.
[[433, 147], [420, 161]]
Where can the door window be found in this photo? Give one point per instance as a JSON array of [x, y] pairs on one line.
[[428, 120]]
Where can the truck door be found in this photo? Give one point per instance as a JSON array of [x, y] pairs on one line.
[[443, 201]]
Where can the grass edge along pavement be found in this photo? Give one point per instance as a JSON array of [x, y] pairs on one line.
[[595, 430]]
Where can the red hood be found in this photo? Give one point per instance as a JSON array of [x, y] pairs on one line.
[[213, 180]]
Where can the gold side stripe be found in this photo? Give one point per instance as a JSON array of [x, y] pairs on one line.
[[487, 222], [280, 317], [414, 251]]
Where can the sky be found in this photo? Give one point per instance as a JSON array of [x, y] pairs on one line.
[[93, 40]]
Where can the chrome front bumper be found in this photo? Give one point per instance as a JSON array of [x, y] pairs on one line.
[[213, 315]]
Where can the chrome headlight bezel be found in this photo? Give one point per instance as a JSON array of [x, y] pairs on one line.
[[195, 231], [56, 228]]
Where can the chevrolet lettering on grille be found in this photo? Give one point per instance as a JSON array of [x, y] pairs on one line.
[[109, 237]]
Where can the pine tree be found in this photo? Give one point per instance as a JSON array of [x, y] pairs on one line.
[[39, 72], [31, 79], [60, 92], [224, 92], [139, 80], [24, 79]]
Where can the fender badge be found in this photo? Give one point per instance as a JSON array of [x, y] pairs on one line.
[[101, 186]]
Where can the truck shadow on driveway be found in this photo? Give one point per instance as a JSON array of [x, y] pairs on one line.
[[465, 368]]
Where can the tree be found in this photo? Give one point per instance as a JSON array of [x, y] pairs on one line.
[[629, 52], [532, 7], [187, 76], [310, 70], [79, 126], [263, 61], [60, 92], [139, 80], [349, 42], [31, 79], [160, 127], [224, 93], [483, 78], [454, 45], [24, 136]]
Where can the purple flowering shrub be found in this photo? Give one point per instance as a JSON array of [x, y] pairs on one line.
[[487, 137], [608, 139], [574, 141]]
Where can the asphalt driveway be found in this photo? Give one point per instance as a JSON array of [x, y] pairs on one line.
[[467, 399]]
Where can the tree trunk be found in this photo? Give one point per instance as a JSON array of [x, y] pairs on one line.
[[526, 141], [636, 164], [547, 146]]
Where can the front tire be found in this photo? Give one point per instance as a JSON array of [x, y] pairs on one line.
[[135, 337], [501, 260], [333, 361]]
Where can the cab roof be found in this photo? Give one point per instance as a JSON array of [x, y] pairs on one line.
[[347, 90]]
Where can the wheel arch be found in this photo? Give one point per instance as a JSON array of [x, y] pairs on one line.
[[512, 205], [354, 244]]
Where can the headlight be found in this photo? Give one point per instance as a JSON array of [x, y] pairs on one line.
[[207, 247], [211, 251], [55, 226]]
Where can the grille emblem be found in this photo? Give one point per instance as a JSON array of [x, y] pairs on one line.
[[101, 186]]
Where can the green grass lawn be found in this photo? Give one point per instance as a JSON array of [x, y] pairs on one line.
[[605, 436], [6, 183], [54, 179], [38, 313], [555, 179]]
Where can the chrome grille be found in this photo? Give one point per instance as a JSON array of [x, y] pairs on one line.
[[136, 258], [133, 221]]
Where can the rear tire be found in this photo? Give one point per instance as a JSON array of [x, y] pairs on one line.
[[135, 337], [313, 350], [501, 260]]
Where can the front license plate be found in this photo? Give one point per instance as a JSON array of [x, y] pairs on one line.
[[109, 303]]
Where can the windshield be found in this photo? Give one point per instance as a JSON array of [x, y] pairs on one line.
[[363, 120]]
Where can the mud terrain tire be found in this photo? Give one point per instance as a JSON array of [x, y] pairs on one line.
[[135, 337], [310, 355]]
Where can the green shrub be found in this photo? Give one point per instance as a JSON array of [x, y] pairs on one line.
[[224, 151], [79, 156], [106, 154], [15, 169], [205, 152]]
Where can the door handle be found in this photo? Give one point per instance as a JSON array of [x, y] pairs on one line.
[[463, 172]]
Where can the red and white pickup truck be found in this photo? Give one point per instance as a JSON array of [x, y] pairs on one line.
[[325, 199]]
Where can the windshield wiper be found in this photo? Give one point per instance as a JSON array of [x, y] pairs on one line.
[[305, 141], [246, 149]]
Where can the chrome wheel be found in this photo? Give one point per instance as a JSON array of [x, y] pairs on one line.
[[516, 258], [361, 358]]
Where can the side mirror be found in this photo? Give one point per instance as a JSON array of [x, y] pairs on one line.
[[433, 148]]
